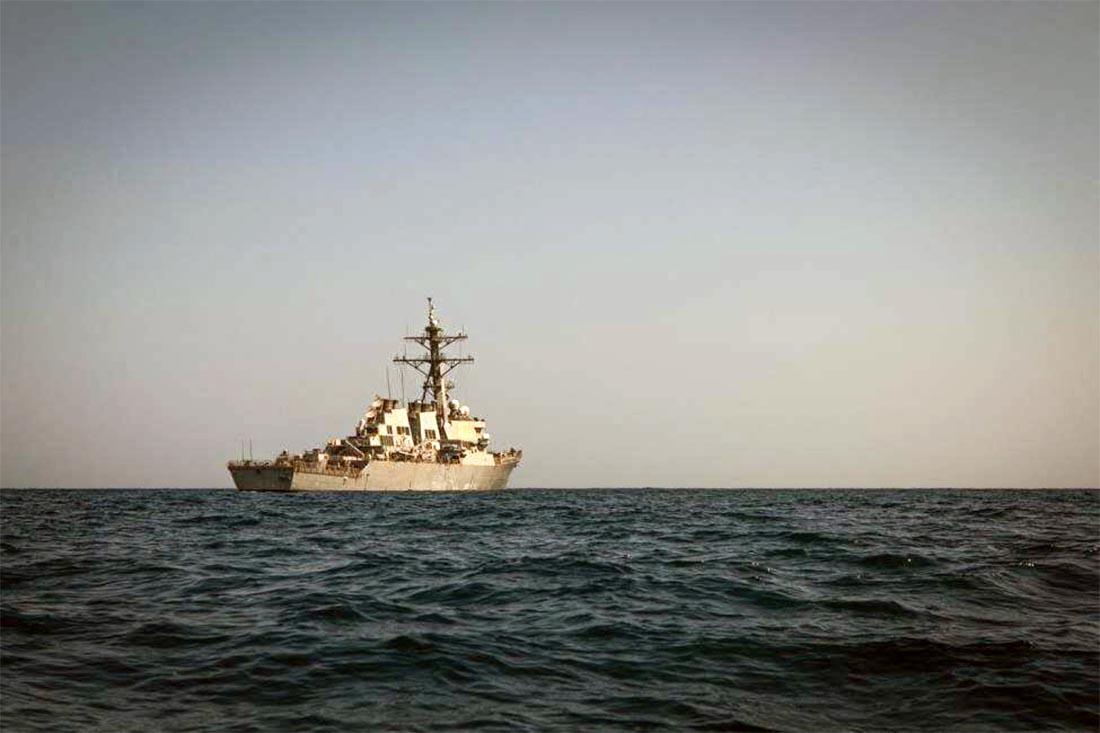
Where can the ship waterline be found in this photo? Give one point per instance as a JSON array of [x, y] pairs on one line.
[[380, 476], [430, 444]]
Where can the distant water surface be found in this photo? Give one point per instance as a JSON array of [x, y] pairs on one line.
[[544, 610]]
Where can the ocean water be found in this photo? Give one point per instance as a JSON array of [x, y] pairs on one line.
[[550, 610]]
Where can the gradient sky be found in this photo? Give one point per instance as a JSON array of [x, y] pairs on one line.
[[694, 245]]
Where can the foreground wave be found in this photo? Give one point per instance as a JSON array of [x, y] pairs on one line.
[[640, 610]]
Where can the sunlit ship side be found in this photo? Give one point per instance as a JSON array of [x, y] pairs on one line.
[[432, 444]]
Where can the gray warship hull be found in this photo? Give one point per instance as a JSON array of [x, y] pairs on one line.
[[376, 476], [432, 444]]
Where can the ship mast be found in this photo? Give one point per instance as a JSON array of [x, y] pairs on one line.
[[435, 365]]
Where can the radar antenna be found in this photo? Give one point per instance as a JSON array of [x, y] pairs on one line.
[[435, 365]]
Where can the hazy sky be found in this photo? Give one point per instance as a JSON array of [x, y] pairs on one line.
[[694, 244]]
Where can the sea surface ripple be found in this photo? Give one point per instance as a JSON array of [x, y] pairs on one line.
[[550, 610]]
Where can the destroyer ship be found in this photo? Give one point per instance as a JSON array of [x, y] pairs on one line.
[[431, 444]]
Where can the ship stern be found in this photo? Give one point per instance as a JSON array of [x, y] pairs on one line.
[[257, 476]]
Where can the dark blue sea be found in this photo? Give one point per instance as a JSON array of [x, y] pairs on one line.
[[550, 610]]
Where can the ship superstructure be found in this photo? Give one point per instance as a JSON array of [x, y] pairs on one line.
[[431, 444]]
